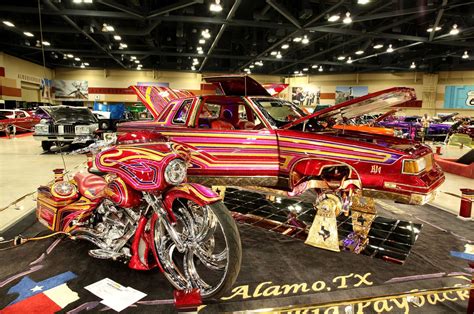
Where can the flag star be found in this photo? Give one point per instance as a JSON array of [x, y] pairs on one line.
[[37, 288]]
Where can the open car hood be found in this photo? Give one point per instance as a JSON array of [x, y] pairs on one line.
[[237, 85], [362, 105], [155, 98]]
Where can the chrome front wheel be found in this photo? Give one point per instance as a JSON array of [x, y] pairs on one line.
[[208, 253]]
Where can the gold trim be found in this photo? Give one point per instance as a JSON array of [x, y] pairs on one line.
[[234, 181]]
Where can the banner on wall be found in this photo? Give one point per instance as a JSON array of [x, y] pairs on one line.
[[306, 96], [345, 93], [459, 97], [45, 88], [70, 90]]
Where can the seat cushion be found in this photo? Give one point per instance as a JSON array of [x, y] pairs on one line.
[[90, 185], [221, 125]]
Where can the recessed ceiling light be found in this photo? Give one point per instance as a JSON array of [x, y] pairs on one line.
[[70, 55], [132, 57], [341, 58], [454, 30], [251, 66], [28, 34], [46, 43], [202, 41], [413, 65], [200, 52], [320, 69], [259, 63], [122, 46], [86, 64], [8, 23], [363, 1], [389, 49], [378, 46], [465, 55], [137, 61], [349, 60], [273, 53], [347, 19], [334, 18], [215, 7], [305, 69], [297, 39], [296, 72], [77, 59], [83, 66], [139, 68], [107, 28], [359, 52], [246, 69], [278, 56], [87, 1], [198, 48], [305, 40], [314, 66], [193, 68], [117, 37], [76, 1]]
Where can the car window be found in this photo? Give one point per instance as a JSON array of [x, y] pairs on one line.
[[6, 112], [182, 113], [20, 114], [210, 111], [280, 112]]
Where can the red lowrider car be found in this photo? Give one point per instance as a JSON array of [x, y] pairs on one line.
[[20, 119], [245, 137]]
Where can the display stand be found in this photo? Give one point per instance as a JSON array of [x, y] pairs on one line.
[[186, 301]]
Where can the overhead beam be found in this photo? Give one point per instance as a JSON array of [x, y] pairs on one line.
[[438, 19], [120, 7], [284, 12], [229, 17], [172, 7], [73, 24]]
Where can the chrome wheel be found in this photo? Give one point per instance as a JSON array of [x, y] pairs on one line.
[[204, 250]]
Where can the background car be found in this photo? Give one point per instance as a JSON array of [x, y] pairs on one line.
[[15, 120]]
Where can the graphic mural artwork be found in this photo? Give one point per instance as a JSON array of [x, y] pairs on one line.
[[345, 93], [71, 90], [459, 97]]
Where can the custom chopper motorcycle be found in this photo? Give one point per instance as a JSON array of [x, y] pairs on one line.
[[138, 209]]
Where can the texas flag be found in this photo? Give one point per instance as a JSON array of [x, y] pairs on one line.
[[47, 296]]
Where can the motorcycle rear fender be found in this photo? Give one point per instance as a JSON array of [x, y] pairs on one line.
[[197, 193]]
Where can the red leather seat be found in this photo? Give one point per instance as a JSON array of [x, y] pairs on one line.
[[246, 125], [90, 185], [221, 125]]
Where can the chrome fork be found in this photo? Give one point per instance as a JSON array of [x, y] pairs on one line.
[[157, 204]]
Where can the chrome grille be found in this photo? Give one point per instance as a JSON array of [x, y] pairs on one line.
[[53, 129], [69, 129]]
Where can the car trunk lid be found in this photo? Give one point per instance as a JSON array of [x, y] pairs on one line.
[[237, 85]]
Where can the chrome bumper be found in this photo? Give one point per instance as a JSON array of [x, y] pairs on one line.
[[413, 199], [63, 138]]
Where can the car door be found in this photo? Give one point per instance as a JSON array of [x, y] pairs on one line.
[[238, 155]]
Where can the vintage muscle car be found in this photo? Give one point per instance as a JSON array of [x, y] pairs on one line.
[[245, 137], [66, 125], [15, 120]]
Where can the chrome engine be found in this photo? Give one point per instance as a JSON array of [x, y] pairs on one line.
[[109, 229]]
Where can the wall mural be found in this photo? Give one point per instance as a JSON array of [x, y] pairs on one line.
[[306, 96], [71, 90], [345, 93], [459, 97]]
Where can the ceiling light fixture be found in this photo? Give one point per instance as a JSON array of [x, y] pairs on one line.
[[359, 52], [137, 61], [28, 34], [117, 37], [215, 7], [122, 46], [314, 66], [305, 40], [349, 60], [305, 69], [341, 58], [259, 63], [205, 33], [273, 53], [193, 68], [86, 64], [297, 39], [107, 28], [46, 43], [251, 66], [278, 56], [363, 1], [8, 23], [347, 19], [83, 66], [389, 49], [334, 18], [200, 52], [70, 55], [320, 69], [465, 55], [378, 46], [454, 30], [246, 69], [199, 48], [413, 65], [429, 30], [202, 41], [285, 46], [132, 57], [77, 59]]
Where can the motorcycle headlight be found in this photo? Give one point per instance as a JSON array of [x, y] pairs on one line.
[[175, 172], [82, 129], [414, 166], [41, 129]]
